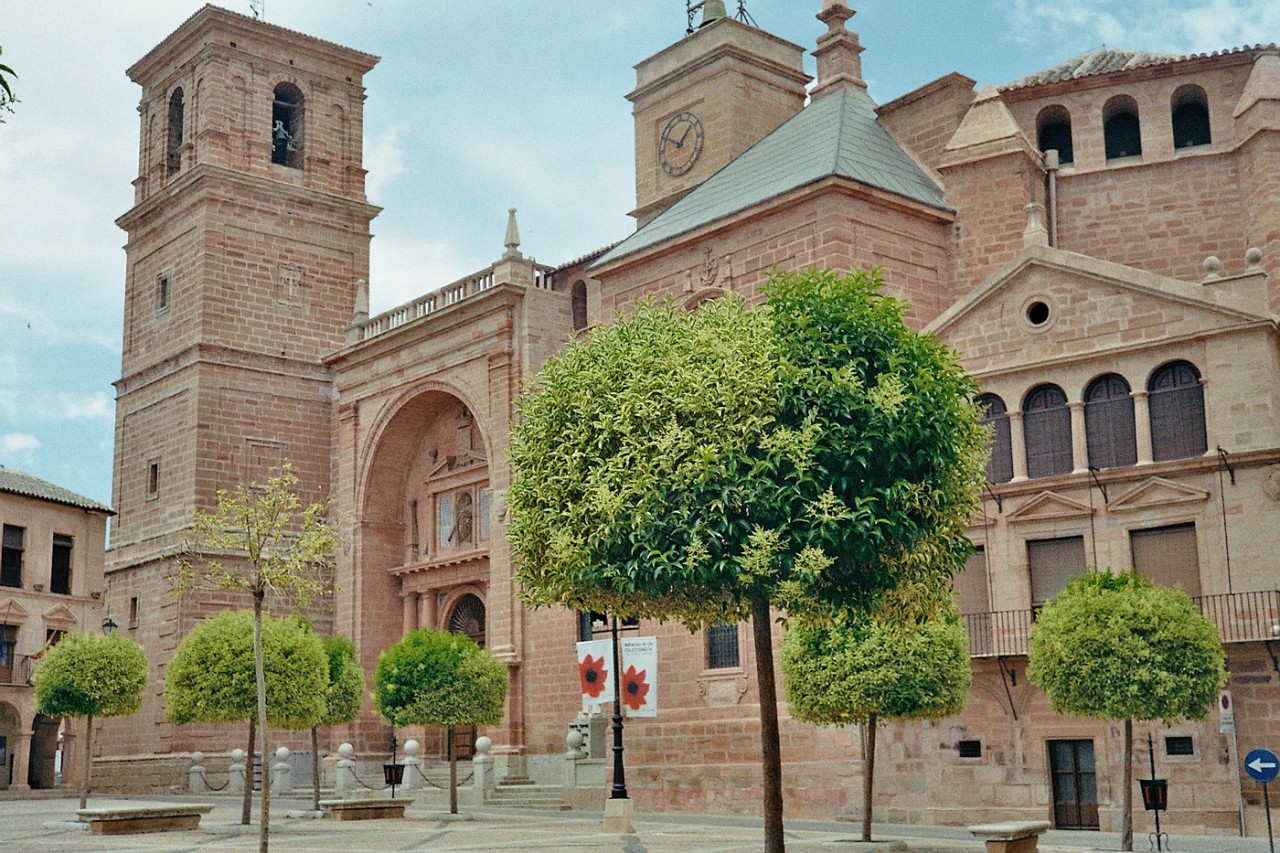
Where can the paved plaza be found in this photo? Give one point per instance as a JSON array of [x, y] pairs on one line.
[[47, 825]]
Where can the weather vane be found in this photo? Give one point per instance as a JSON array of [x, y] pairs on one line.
[[691, 8]]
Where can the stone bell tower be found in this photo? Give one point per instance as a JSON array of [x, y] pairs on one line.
[[704, 100], [247, 243]]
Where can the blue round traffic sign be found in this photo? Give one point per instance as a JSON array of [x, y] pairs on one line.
[[1262, 765]]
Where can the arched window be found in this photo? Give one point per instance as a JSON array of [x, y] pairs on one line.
[[1046, 423], [286, 126], [1108, 422], [1053, 131], [173, 135], [1120, 127], [1176, 403], [996, 415], [1190, 108], [578, 299]]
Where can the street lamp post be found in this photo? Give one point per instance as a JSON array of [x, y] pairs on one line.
[[619, 789]]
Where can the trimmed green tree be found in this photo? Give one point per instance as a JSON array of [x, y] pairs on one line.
[[90, 675], [839, 674], [213, 678], [260, 540], [432, 678], [814, 455], [1119, 647], [342, 698]]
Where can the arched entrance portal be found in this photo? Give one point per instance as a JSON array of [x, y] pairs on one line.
[[467, 617], [43, 771], [8, 743]]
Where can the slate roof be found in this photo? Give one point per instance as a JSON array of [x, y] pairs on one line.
[[19, 483], [836, 135], [1098, 61]]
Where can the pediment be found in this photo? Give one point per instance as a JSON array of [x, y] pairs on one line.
[[1103, 290], [60, 616], [461, 462], [1048, 506], [981, 519], [12, 613], [1156, 492]]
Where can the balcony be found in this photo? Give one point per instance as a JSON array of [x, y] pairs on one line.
[[16, 670], [1240, 617]]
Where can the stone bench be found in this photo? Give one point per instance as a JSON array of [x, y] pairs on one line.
[[1014, 836], [365, 809], [149, 817]]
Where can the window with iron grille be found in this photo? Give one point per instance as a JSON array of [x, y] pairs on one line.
[[969, 748], [60, 574], [996, 415], [1046, 424], [722, 646], [11, 555], [1179, 745], [1108, 422], [1176, 403]]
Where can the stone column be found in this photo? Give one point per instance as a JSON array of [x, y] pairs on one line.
[[22, 761], [410, 603], [1142, 425], [1079, 443], [1018, 446], [427, 608]]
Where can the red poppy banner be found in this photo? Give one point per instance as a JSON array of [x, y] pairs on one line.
[[595, 672], [640, 676]]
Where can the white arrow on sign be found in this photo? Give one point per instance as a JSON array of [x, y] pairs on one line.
[[1258, 765]]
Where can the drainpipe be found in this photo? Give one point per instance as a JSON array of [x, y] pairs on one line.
[[1051, 167]]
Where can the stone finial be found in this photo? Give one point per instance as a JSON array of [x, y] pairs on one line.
[[1212, 269], [512, 240], [1253, 257], [838, 52], [1035, 233]]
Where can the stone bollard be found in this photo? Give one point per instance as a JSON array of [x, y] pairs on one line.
[[573, 754], [196, 782], [482, 767], [413, 776], [344, 772], [282, 772], [235, 773]]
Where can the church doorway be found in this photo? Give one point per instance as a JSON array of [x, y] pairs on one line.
[[467, 617], [42, 772]]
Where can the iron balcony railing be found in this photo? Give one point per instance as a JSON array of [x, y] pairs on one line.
[[15, 669], [1240, 617]]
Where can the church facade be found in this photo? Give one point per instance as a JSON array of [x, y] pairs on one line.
[[1094, 240]]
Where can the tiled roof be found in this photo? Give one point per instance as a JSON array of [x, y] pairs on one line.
[[19, 483], [836, 135], [1094, 62]]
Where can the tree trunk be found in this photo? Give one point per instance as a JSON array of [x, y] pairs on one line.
[[771, 751], [315, 770], [88, 760], [264, 819], [1126, 820], [453, 775], [246, 805], [868, 776]]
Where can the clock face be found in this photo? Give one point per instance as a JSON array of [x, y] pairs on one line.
[[680, 144]]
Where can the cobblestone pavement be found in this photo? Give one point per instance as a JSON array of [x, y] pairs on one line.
[[47, 825]]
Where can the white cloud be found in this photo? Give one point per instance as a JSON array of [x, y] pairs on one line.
[[1156, 25], [384, 158], [92, 407], [20, 445], [402, 270]]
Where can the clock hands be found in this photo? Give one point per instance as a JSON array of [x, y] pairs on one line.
[[679, 143]]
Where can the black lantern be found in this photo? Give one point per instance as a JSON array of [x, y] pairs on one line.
[[1155, 794]]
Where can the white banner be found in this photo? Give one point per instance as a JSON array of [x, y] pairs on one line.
[[595, 672], [640, 676]]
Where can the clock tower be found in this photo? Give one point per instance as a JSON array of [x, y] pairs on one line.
[[704, 100]]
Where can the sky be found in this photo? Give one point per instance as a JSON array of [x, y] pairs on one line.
[[475, 107]]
